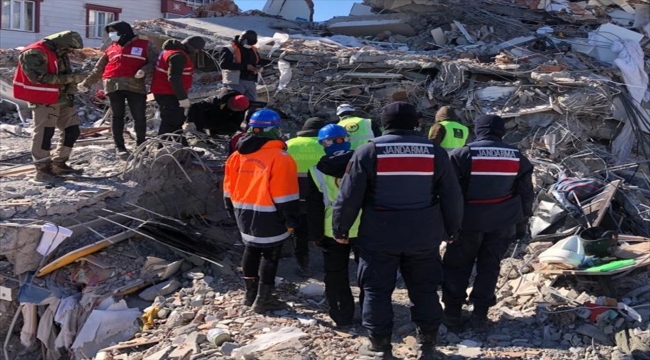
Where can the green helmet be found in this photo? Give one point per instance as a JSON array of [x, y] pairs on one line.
[[66, 40]]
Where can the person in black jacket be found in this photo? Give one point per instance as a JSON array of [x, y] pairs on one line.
[[323, 180], [221, 114], [411, 201], [496, 180], [240, 64]]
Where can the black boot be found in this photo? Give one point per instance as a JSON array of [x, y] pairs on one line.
[[427, 338], [266, 301], [379, 346], [251, 290], [452, 317], [479, 319], [303, 265]]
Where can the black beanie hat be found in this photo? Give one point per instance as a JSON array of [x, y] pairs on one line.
[[399, 115], [311, 127], [490, 125], [194, 43]]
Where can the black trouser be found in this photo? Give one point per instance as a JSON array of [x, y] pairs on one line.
[[262, 262], [337, 279], [422, 273], [137, 107], [172, 116], [487, 249], [301, 238]]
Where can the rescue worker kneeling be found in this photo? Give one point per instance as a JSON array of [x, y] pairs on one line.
[[411, 201], [496, 179], [261, 192], [323, 190]]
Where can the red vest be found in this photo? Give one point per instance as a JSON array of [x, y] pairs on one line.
[[125, 61], [160, 83], [33, 92]]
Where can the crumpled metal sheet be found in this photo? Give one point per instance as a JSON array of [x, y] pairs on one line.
[[449, 80]]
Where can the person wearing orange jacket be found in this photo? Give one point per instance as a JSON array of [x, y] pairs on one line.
[[261, 192]]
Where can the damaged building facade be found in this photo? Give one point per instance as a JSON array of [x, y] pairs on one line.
[[137, 259]]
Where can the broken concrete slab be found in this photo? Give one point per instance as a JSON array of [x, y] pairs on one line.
[[371, 25]]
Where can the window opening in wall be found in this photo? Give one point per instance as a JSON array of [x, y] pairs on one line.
[[18, 15], [97, 21]]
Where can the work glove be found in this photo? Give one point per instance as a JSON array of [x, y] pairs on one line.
[[189, 126], [522, 229], [82, 88], [185, 103], [140, 74]]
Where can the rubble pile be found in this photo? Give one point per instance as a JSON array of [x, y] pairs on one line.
[[150, 271]]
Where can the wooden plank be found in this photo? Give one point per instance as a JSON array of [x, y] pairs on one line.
[[129, 344], [18, 170], [72, 256]]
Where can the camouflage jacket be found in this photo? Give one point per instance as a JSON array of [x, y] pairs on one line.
[[123, 83], [34, 64]]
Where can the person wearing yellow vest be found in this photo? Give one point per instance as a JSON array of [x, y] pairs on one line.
[[239, 64], [44, 79], [324, 178], [447, 131], [305, 151], [360, 129]]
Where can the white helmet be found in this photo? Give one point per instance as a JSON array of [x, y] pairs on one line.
[[343, 108]]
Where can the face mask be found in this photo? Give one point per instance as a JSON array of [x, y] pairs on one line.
[[113, 36], [248, 46]]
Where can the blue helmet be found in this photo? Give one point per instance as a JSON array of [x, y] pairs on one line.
[[334, 138], [265, 118]]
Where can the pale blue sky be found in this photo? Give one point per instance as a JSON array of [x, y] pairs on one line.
[[323, 9]]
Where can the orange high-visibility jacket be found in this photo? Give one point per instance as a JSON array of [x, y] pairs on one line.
[[262, 188]]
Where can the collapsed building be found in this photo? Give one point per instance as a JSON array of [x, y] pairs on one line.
[[570, 79]]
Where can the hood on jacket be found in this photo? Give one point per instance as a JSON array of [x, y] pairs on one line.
[[250, 143], [446, 113], [124, 30], [173, 44], [335, 165], [311, 126], [65, 41], [490, 127]]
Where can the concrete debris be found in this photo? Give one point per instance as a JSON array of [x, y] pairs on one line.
[[149, 238]]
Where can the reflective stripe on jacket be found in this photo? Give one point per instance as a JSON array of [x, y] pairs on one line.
[[329, 187], [493, 174], [160, 83], [125, 61], [232, 76], [36, 93], [258, 184], [455, 135], [359, 130]]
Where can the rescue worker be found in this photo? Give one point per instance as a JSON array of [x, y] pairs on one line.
[[221, 114], [45, 80], [172, 79], [360, 129], [306, 151], [123, 68], [496, 180], [324, 179], [239, 64], [261, 192], [410, 201], [447, 131]]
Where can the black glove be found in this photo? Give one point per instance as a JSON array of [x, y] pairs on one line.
[[522, 229]]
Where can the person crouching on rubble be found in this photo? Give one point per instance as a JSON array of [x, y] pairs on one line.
[[172, 78], [221, 114], [123, 68], [496, 179], [44, 78], [324, 179], [239, 64], [261, 192], [447, 131], [411, 201]]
